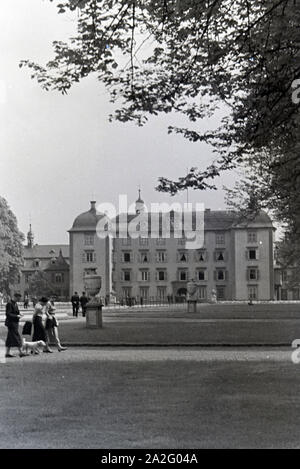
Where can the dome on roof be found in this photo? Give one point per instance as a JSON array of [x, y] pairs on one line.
[[88, 219]]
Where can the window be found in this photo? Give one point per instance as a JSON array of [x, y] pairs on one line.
[[220, 293], [220, 275], [126, 275], [143, 241], [201, 256], [219, 256], [160, 241], [220, 238], [161, 256], [59, 278], [201, 274], [252, 237], [161, 275], [126, 257], [144, 275], [144, 293], [126, 292], [295, 293], [126, 241], [90, 271], [161, 293], [144, 257], [202, 293], [181, 241], [89, 240], [253, 273], [252, 254], [183, 275], [252, 293], [27, 277], [89, 256], [284, 275], [182, 257], [36, 263], [284, 294]]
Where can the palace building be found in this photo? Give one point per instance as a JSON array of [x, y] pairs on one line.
[[235, 260], [52, 260]]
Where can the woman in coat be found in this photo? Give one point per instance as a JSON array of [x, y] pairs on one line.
[[39, 331], [12, 323], [52, 326]]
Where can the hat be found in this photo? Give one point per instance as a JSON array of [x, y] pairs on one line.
[[44, 299]]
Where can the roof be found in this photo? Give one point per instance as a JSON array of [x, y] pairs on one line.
[[87, 220], [213, 219], [58, 264], [43, 251]]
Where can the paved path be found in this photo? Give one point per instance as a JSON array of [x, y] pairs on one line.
[[156, 354]]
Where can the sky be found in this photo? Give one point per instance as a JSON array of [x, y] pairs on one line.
[[59, 152]]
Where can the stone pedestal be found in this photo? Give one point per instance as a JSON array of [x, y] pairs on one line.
[[94, 315], [192, 306]]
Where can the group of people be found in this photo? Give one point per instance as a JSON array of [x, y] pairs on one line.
[[79, 301], [44, 322]]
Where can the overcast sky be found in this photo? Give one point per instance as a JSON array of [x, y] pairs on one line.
[[58, 152]]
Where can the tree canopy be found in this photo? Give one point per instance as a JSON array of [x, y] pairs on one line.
[[39, 285], [189, 56], [11, 247]]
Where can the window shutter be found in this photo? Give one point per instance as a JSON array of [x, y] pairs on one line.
[[83, 257], [257, 254], [94, 257], [226, 275], [257, 274], [248, 274], [215, 275], [247, 254]]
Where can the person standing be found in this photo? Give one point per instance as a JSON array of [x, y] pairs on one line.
[[26, 301], [39, 331], [75, 304], [51, 326], [13, 316], [83, 302]]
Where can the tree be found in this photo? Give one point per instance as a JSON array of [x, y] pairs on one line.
[[11, 247], [39, 285], [188, 56]]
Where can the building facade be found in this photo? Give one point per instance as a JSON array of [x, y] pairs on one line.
[[235, 261], [52, 260]]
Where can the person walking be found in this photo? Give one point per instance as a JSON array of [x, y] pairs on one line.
[[39, 331], [51, 326], [75, 304], [13, 316], [83, 302]]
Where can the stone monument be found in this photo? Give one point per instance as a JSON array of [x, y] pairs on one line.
[[92, 284], [192, 296]]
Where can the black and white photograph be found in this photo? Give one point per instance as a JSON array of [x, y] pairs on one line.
[[149, 228]]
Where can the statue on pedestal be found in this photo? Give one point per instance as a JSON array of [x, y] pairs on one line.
[[213, 296], [192, 295]]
